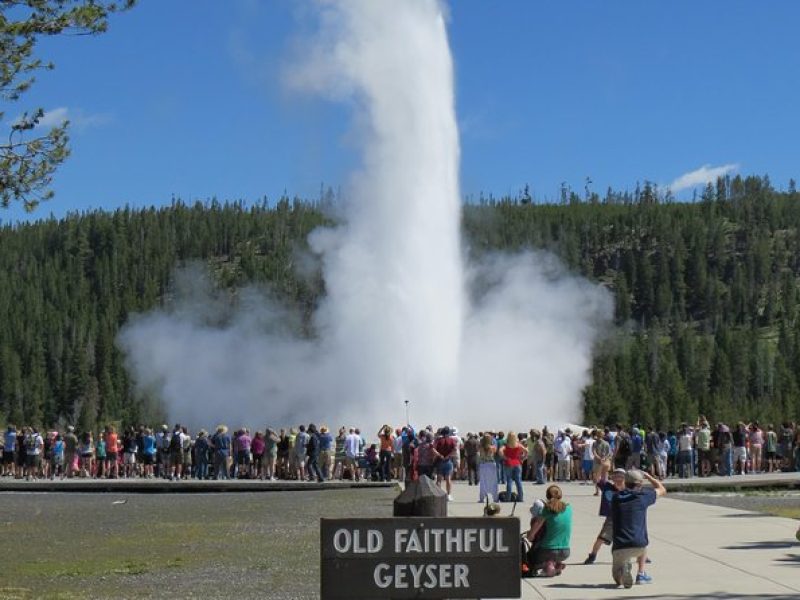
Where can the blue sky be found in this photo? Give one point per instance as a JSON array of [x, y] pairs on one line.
[[184, 98]]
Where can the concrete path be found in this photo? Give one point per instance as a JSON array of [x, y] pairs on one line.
[[698, 551]]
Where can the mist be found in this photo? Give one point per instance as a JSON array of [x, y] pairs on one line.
[[506, 342]]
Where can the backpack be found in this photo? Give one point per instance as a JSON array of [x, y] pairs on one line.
[[175, 445], [623, 444], [504, 497]]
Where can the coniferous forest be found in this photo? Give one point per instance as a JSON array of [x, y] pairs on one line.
[[707, 298]]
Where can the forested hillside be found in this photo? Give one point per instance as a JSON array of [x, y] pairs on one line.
[[707, 294]]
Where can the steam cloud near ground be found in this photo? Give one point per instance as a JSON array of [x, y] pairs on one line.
[[506, 342]]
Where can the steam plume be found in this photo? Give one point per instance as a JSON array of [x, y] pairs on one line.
[[501, 343]]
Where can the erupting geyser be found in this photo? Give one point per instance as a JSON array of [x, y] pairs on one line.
[[504, 343]]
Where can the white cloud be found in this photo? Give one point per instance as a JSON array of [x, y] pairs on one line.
[[79, 120], [54, 117], [702, 176]]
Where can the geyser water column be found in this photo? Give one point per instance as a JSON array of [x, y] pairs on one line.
[[506, 342], [393, 271]]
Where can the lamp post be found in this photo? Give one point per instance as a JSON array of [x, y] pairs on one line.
[[408, 422]]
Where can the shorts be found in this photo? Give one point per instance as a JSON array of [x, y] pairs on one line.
[[130, 458], [445, 468], [397, 460], [607, 532], [8, 457], [149, 459], [176, 458], [621, 557], [770, 454], [33, 460], [243, 458], [350, 461], [111, 457], [587, 466], [739, 454]]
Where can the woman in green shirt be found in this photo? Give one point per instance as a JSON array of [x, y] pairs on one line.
[[553, 549]]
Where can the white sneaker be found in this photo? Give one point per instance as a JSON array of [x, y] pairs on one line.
[[449, 498]]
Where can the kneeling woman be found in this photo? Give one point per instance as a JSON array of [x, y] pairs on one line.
[[552, 550]]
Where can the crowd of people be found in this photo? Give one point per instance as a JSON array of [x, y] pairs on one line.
[[488, 459]]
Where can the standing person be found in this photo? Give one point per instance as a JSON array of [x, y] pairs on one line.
[[100, 454], [684, 452], [550, 454], [339, 455], [176, 453], [34, 448], [756, 445], [221, 445], [397, 455], [57, 467], [149, 452], [629, 516], [299, 453], [637, 443], [539, 457], [663, 453], [444, 448], [587, 462], [271, 440], [601, 459], [187, 452], [130, 448], [499, 442], [456, 456], [70, 451], [703, 443], [352, 444], [86, 448], [785, 449], [651, 445], [9, 450], [284, 448], [554, 548], [563, 450], [243, 447], [771, 447], [313, 449], [201, 448], [608, 490], [112, 467], [740, 439], [487, 473], [326, 452], [725, 445], [386, 440], [258, 446], [672, 455], [513, 454], [471, 447]]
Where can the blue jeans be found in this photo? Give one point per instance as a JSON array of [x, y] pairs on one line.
[[501, 472], [540, 471], [202, 469], [727, 460], [514, 474]]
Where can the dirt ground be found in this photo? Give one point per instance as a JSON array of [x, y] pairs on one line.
[[242, 545]]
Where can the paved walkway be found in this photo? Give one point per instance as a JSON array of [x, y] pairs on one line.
[[698, 551]]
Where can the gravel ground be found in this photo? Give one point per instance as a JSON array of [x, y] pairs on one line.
[[778, 503], [244, 545]]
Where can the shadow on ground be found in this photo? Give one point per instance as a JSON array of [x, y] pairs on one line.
[[761, 546]]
